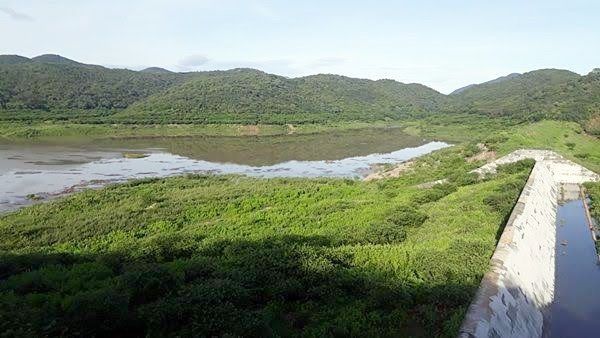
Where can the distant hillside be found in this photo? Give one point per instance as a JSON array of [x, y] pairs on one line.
[[498, 80], [156, 70], [53, 58], [250, 96], [534, 94], [13, 59], [57, 84], [540, 94], [50, 87]]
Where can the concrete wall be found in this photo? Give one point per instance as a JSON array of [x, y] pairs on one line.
[[515, 293]]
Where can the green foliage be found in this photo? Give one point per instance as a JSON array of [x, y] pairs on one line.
[[593, 192], [516, 167], [34, 90], [434, 193], [533, 96], [505, 196], [235, 256], [51, 87], [406, 216]]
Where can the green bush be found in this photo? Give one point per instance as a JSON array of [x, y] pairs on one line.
[[516, 167], [384, 233], [463, 178], [406, 216], [434, 193]]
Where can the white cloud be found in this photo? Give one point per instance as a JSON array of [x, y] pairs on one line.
[[326, 62], [15, 15], [193, 61]]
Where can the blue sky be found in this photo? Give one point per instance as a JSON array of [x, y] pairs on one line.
[[442, 44]]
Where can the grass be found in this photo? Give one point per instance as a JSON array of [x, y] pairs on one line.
[[593, 192], [230, 255], [566, 138], [41, 130]]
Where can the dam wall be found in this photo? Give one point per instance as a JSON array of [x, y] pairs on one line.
[[516, 293]]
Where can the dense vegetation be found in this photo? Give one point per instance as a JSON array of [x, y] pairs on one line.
[[228, 255], [235, 256], [592, 190], [541, 94], [51, 87], [251, 96]]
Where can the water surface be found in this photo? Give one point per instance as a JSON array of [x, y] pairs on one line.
[[574, 312], [52, 167]]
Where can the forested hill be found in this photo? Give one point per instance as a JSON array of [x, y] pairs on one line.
[[50, 87], [248, 95], [55, 84]]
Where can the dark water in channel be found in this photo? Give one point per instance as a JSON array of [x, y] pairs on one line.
[[576, 306], [54, 166]]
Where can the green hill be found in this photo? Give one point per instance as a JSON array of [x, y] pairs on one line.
[[53, 58], [51, 87], [156, 70], [540, 94], [250, 96], [528, 93], [13, 59]]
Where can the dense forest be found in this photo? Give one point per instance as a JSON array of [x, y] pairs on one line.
[[51, 87]]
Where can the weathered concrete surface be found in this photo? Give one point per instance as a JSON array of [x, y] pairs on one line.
[[518, 289]]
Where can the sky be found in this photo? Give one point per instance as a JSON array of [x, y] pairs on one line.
[[442, 44]]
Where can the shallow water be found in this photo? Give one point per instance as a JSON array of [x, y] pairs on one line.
[[54, 167], [574, 312]]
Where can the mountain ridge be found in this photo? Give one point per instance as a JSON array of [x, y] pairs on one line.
[[62, 88]]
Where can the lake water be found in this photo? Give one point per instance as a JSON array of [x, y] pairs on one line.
[[53, 167]]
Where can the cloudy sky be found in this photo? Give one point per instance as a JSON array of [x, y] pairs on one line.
[[442, 44]]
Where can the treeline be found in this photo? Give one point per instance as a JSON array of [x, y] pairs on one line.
[[55, 88]]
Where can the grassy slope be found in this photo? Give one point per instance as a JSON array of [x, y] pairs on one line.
[[209, 255], [14, 131], [593, 191], [566, 138]]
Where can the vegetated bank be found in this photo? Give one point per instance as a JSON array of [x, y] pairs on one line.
[[229, 255], [54, 88], [592, 190]]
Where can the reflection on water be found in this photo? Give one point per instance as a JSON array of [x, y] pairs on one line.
[[574, 312], [53, 168]]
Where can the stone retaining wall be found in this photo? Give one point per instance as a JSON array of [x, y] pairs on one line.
[[515, 293]]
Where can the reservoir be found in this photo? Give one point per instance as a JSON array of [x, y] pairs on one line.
[[51, 167]]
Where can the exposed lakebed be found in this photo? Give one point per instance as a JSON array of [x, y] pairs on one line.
[[51, 167]]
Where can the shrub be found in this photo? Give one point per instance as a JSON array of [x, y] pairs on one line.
[[97, 313], [504, 198], [516, 167], [434, 193], [463, 178], [470, 149], [146, 283], [406, 216], [384, 233]]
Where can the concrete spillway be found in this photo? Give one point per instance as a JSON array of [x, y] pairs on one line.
[[516, 296], [574, 311]]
